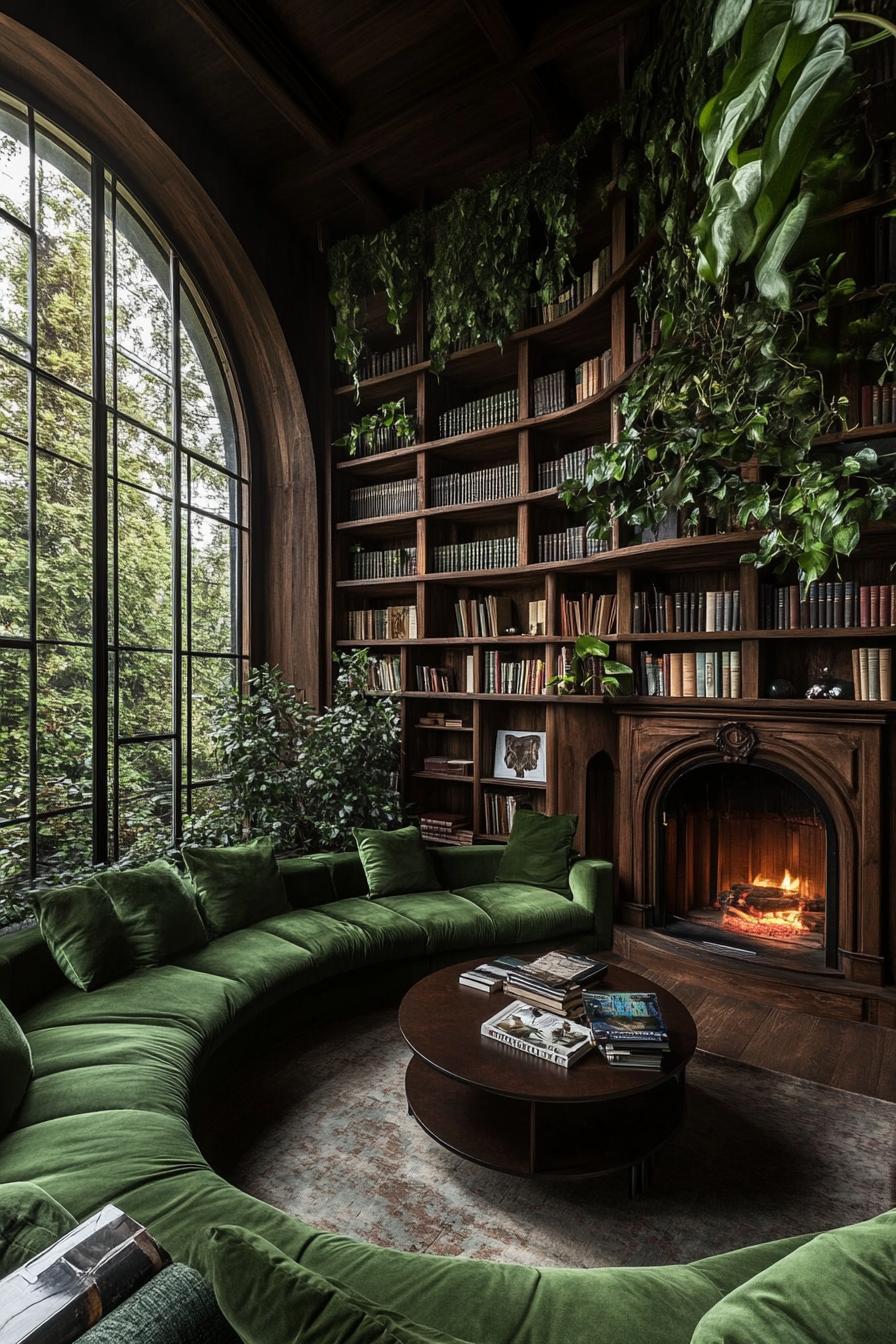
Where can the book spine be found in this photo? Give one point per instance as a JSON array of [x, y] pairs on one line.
[[525, 1047]]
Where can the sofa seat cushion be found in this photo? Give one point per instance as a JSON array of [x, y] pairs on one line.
[[30, 1221], [85, 1161], [332, 944], [839, 1286], [268, 966], [388, 935], [448, 920], [524, 914], [205, 1005]]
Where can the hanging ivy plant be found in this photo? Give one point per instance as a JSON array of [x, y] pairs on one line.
[[392, 416]]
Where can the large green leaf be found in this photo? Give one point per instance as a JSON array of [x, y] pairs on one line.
[[802, 111], [810, 15], [772, 281], [740, 102], [728, 20], [726, 226]]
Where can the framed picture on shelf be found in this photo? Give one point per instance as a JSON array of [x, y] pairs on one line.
[[520, 755]]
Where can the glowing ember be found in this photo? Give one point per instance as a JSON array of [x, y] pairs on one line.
[[772, 908]]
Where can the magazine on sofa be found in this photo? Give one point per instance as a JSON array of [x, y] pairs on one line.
[[58, 1295]]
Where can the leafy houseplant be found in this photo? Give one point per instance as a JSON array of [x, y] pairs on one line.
[[589, 666], [305, 778], [391, 416]]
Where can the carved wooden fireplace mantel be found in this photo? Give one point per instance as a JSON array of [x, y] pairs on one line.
[[837, 758]]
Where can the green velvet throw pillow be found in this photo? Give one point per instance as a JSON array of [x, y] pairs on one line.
[[237, 885], [15, 1066], [84, 934], [270, 1299], [30, 1222], [539, 850], [395, 862], [157, 910], [839, 1286]]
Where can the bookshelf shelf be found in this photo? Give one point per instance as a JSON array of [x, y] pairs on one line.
[[522, 784], [442, 777]]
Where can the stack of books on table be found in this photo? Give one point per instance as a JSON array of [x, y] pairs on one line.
[[553, 981], [533, 1031], [627, 1028], [446, 828]]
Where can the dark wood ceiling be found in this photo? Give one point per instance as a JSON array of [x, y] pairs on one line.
[[349, 112]]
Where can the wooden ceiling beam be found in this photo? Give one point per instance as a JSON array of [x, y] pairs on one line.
[[275, 67], [572, 30], [552, 114]]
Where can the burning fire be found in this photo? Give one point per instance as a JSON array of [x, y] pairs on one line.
[[788, 883]]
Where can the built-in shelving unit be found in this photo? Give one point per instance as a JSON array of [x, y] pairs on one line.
[[604, 322]]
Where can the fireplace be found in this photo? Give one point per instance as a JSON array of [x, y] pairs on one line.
[[747, 859], [757, 841]]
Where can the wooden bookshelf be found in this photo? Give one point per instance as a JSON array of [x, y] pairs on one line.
[[580, 728]]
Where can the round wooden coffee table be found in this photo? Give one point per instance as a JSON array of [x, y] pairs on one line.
[[525, 1116]]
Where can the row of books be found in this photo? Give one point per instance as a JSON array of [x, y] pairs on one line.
[[382, 623], [538, 616], [569, 467], [512, 676], [876, 405], [712, 673], [444, 679], [446, 828], [549, 392], [434, 718], [590, 614], [593, 375], [381, 440], [448, 765], [573, 543], [590, 670], [499, 810], [485, 553], [377, 362], [584, 285], [469, 487], [500, 408], [397, 562], [827, 606], [683, 613], [872, 673], [489, 614], [374, 501], [384, 674]]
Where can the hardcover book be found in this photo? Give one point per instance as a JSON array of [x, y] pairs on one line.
[[630, 1019], [533, 1031]]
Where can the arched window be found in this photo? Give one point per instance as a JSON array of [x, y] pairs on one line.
[[122, 519]]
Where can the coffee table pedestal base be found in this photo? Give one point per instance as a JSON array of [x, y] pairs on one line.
[[546, 1138]]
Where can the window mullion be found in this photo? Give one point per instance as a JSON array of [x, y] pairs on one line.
[[177, 755], [32, 513], [101, 852]]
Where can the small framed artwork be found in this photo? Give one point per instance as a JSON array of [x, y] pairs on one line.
[[520, 755]]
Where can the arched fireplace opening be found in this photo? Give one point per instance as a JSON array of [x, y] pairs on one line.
[[747, 863]]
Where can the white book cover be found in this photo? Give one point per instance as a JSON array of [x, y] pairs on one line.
[[536, 1032]]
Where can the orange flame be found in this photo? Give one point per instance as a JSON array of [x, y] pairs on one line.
[[788, 883]]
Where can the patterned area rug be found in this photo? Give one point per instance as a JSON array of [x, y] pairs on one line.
[[323, 1133]]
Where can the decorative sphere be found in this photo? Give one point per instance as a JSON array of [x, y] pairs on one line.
[[781, 689]]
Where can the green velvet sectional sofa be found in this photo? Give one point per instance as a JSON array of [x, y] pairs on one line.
[[107, 1116]]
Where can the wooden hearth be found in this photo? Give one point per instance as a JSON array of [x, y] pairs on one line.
[[839, 759]]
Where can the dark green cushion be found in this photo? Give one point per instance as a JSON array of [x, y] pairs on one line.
[[525, 914], [839, 1286], [460, 866], [30, 1221], [395, 862], [84, 934], [237, 885], [307, 881], [447, 919], [157, 910], [387, 935], [539, 850], [346, 875], [15, 1066], [269, 1299]]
